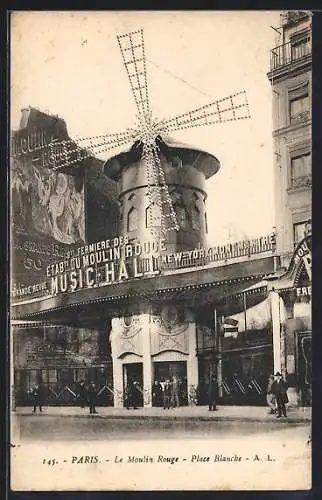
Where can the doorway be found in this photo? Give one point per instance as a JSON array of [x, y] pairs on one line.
[[166, 370], [133, 373], [304, 366]]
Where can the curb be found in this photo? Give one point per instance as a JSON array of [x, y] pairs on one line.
[[178, 419]]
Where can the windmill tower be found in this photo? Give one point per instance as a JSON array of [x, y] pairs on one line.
[[162, 195]]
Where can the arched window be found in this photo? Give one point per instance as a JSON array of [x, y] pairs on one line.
[[176, 162], [132, 219], [153, 216], [195, 218]]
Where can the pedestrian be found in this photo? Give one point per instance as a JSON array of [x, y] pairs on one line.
[[136, 394], [175, 392], [129, 395], [82, 394], [166, 394], [183, 392], [156, 393], [279, 389], [92, 398], [270, 396], [37, 397], [212, 393]]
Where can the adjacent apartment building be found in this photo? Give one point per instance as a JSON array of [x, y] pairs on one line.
[[290, 76]]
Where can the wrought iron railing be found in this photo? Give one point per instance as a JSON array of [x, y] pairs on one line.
[[300, 117], [290, 53], [303, 181]]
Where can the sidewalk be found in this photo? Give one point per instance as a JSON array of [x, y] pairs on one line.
[[185, 413]]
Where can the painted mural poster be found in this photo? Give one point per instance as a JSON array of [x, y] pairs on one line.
[[160, 308], [48, 203]]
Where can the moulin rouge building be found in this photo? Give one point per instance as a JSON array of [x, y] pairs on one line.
[[99, 292]]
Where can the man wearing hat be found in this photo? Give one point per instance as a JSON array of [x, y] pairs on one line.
[[279, 389]]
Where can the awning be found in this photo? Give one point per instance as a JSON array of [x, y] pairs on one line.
[[249, 297]]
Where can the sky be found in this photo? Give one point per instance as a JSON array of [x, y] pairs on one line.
[[69, 64]]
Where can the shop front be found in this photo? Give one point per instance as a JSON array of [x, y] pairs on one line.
[[238, 351], [293, 324], [60, 358]]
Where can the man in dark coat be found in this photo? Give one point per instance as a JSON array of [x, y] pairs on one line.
[[212, 393], [132, 395], [136, 394], [82, 394], [166, 394], [129, 395], [92, 397], [279, 389], [156, 393], [37, 397]]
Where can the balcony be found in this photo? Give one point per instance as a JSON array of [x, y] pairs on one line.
[[301, 181], [290, 53], [300, 117]]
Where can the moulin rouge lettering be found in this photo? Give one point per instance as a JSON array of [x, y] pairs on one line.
[[35, 141], [48, 151], [110, 273], [104, 263]]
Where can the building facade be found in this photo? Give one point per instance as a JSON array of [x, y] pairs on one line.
[[158, 313], [147, 306], [290, 75]]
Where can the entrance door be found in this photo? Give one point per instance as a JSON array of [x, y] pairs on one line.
[[133, 375], [304, 366], [164, 370]]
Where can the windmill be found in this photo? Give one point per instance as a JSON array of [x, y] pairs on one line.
[[148, 131]]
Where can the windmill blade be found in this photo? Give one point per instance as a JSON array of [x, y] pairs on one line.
[[111, 140], [133, 55], [65, 153], [158, 191], [231, 108], [107, 141]]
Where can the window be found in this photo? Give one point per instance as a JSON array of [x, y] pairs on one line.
[[299, 104], [176, 162], [301, 230], [153, 216], [132, 219], [299, 108], [301, 170], [300, 47]]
